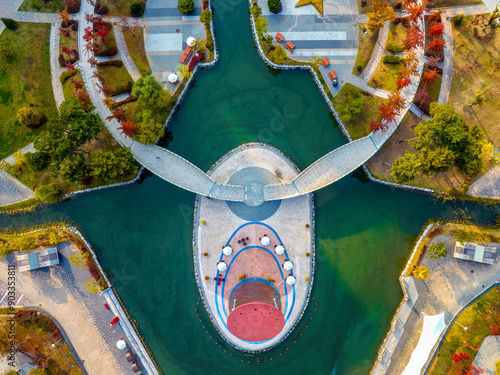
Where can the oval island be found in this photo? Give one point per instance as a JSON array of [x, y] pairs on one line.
[[254, 261]]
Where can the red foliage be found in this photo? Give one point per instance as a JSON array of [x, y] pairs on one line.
[[429, 76], [437, 29], [396, 102], [70, 66], [88, 37], [435, 16], [458, 357], [92, 61], [423, 98], [92, 269], [437, 45], [387, 113], [64, 32], [128, 128], [414, 38], [84, 98], [377, 125], [403, 82], [472, 370], [68, 51], [494, 330], [77, 85], [119, 114], [409, 3], [415, 12]]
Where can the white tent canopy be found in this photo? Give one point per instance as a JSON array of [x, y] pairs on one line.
[[288, 265], [265, 240], [290, 280], [221, 266], [433, 326], [279, 249], [121, 344], [227, 250], [191, 41], [172, 78]]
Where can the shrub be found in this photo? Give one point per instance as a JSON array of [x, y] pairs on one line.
[[111, 51], [359, 68], [457, 20], [30, 117], [185, 6], [465, 188], [10, 24], [48, 193], [435, 231], [117, 63], [74, 27], [37, 161], [394, 47], [209, 41], [392, 59], [453, 191], [136, 9], [101, 10], [274, 5], [66, 74]]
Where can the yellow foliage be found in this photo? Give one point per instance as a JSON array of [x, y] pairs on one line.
[[19, 157], [317, 3]]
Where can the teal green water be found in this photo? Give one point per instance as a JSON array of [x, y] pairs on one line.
[[142, 233]]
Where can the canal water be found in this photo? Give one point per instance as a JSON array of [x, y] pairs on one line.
[[364, 231]]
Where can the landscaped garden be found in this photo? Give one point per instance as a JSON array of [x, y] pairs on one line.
[[50, 6], [114, 77], [460, 346], [428, 88], [476, 76], [387, 73], [104, 39], [135, 46], [39, 338], [356, 108], [129, 8], [365, 49], [73, 85], [68, 43], [24, 80], [396, 36]]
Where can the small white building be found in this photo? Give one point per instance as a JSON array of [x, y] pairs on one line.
[[476, 253]]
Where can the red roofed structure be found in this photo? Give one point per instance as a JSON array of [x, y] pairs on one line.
[[255, 322]]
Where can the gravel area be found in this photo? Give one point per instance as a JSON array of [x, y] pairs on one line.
[[12, 191]]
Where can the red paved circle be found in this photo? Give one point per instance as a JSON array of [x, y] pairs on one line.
[[255, 322]]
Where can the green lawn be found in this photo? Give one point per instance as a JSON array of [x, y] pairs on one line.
[[117, 78], [37, 6], [135, 46], [359, 127], [385, 77], [397, 34], [477, 317], [24, 79], [475, 67], [68, 88], [365, 49], [118, 7], [71, 43], [432, 88]]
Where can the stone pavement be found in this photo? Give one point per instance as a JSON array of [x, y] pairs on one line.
[[452, 285], [447, 63], [125, 55], [488, 355], [378, 53], [487, 186], [13, 191]]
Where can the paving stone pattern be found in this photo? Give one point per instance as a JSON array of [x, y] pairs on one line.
[[488, 355]]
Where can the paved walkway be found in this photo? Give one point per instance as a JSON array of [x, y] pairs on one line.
[[487, 186], [378, 53], [453, 284], [448, 61], [13, 191], [488, 355], [125, 55]]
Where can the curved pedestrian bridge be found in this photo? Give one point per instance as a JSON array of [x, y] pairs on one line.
[[325, 171]]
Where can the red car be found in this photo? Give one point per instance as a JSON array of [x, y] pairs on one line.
[[115, 320], [106, 306]]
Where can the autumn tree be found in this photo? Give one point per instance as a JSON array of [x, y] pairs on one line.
[[77, 84], [70, 66], [437, 29], [421, 272], [278, 55], [414, 38], [65, 33], [415, 11], [118, 114], [110, 103], [430, 76], [84, 98], [436, 45], [423, 99], [381, 13], [184, 72], [402, 82], [128, 128], [437, 250], [64, 17]]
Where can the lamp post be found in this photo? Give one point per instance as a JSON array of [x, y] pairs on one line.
[[464, 328], [366, 33]]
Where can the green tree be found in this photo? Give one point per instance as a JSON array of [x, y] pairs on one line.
[[316, 62], [37, 161], [351, 103], [421, 272], [63, 147], [256, 11], [48, 193], [437, 251], [149, 130], [261, 26], [38, 371], [73, 168], [146, 89], [184, 71], [10, 23], [444, 142], [273, 5], [108, 166], [185, 6], [206, 16], [30, 116], [278, 55], [381, 13]]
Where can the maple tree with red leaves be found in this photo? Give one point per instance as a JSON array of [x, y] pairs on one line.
[[494, 330], [84, 98], [436, 45], [118, 114], [377, 125], [414, 38], [423, 98], [88, 37], [472, 370], [396, 102], [70, 66], [437, 29], [65, 33], [77, 85], [429, 76], [402, 82], [68, 51], [459, 357], [415, 12], [128, 128], [92, 61]]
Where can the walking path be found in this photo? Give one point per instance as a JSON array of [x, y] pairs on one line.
[[13, 191], [447, 63], [488, 355], [487, 186], [466, 10], [378, 53], [452, 285], [125, 55]]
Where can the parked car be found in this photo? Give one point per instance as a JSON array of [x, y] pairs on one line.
[[115, 320], [333, 77]]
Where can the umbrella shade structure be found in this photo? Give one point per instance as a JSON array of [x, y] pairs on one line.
[[121, 344], [433, 326], [279, 249], [290, 280], [191, 41], [288, 265], [172, 78], [221, 266], [265, 241], [227, 250]]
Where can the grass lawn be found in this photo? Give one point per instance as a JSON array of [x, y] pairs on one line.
[[68, 88], [37, 6], [380, 164], [118, 7], [36, 334], [476, 65], [117, 78], [365, 49], [432, 88], [385, 77], [478, 317], [101, 48], [368, 7], [360, 127], [135, 46], [24, 79], [71, 43], [397, 34]]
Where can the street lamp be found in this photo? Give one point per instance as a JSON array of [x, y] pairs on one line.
[[366, 33], [464, 328]]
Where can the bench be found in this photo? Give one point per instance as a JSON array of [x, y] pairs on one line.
[[279, 37], [184, 59], [290, 46], [325, 60]]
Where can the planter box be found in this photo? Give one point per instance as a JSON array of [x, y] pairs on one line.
[[279, 10]]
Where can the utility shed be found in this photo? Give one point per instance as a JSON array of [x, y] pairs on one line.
[[37, 259]]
